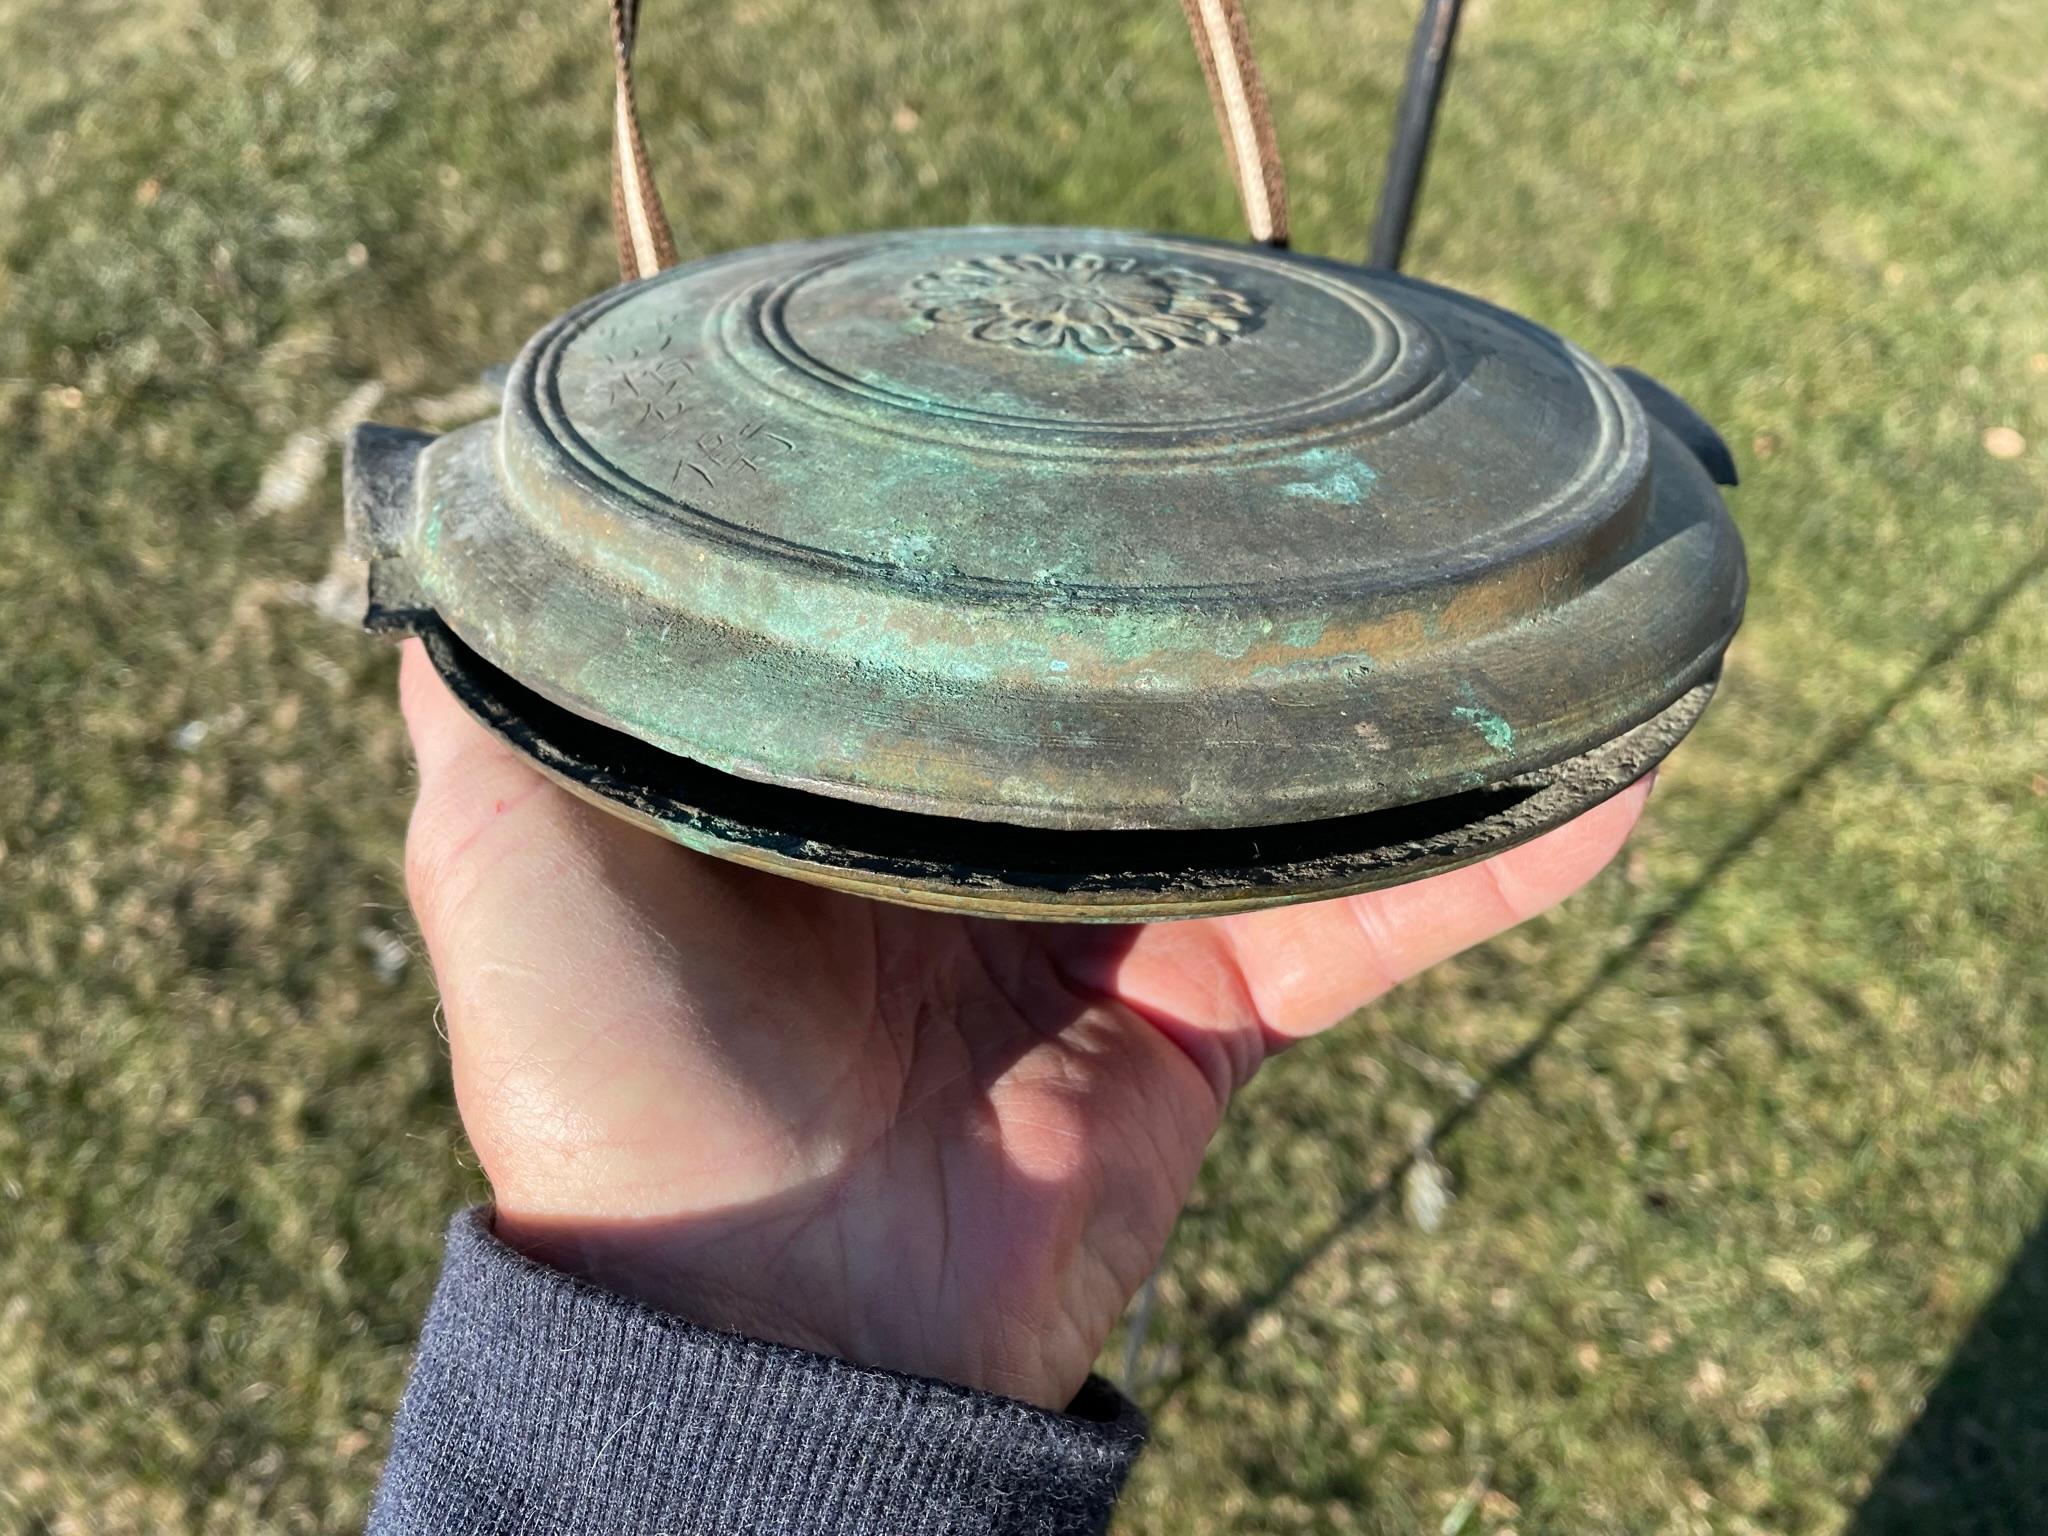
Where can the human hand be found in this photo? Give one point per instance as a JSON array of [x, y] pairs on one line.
[[949, 1146]]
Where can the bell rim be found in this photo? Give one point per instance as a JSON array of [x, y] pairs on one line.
[[818, 839]]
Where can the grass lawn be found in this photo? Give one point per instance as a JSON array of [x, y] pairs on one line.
[[1747, 1149]]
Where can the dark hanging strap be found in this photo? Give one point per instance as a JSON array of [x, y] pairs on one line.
[[1429, 59], [1223, 38]]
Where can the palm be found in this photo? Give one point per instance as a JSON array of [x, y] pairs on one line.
[[950, 1146]]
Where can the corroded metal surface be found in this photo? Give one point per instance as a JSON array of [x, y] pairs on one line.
[[1076, 530]]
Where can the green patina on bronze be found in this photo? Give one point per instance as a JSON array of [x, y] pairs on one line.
[[1343, 478], [1078, 530]]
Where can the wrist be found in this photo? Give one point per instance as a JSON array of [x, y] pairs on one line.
[[654, 1266], [573, 1407], [759, 1284]]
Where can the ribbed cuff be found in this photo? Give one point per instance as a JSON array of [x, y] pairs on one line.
[[541, 1404]]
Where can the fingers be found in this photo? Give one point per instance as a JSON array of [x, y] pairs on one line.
[[1308, 967], [1260, 980]]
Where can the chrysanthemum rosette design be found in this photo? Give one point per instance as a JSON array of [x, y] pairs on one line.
[[1103, 306]]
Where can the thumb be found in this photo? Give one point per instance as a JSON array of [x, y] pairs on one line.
[[493, 846], [521, 891], [451, 747]]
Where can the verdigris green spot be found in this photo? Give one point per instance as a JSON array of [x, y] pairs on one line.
[[1305, 633], [1498, 733], [1341, 478], [911, 552]]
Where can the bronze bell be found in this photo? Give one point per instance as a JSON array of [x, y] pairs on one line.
[[1067, 573]]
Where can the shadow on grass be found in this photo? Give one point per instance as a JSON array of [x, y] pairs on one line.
[[1975, 1463], [1225, 1333]]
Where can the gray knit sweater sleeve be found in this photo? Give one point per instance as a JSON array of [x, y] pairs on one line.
[[544, 1406]]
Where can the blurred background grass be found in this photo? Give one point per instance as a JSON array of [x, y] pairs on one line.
[[1743, 1151]]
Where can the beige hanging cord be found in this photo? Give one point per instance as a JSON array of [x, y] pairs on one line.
[[1223, 39], [646, 244]]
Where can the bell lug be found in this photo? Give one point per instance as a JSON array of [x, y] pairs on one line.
[[379, 466], [377, 469]]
